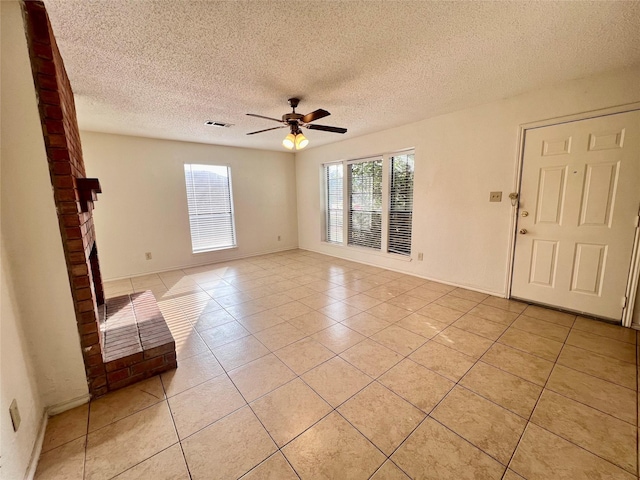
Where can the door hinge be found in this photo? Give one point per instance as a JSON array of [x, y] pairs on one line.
[[624, 302]]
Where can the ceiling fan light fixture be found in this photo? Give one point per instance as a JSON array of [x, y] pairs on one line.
[[289, 141], [301, 141], [293, 121]]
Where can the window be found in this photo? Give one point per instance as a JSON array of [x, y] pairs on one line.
[[335, 210], [210, 207], [401, 204], [375, 200], [365, 204]]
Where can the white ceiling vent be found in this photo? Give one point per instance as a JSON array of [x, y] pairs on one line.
[[211, 123]]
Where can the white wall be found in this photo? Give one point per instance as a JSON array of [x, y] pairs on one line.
[[460, 158], [143, 207], [41, 358], [17, 381]]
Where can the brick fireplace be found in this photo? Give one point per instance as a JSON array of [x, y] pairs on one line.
[[74, 195]]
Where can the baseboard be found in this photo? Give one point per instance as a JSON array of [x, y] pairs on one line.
[[67, 405], [266, 252], [194, 265], [37, 448], [452, 284], [49, 412]]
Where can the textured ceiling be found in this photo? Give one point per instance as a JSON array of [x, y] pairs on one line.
[[161, 68]]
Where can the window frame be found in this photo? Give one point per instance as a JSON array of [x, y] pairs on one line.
[[393, 211], [233, 232], [386, 204], [348, 201], [327, 208]]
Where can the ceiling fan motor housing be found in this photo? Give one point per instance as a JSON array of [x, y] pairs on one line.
[[295, 120], [289, 117]]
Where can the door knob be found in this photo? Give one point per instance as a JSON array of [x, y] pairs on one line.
[[523, 231], [524, 213]]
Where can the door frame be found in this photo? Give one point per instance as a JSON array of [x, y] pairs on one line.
[[634, 271]]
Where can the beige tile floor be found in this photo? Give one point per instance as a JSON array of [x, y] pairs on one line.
[[298, 365]]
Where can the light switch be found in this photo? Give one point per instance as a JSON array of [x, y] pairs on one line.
[[495, 196]]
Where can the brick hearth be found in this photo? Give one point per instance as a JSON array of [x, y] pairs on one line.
[[136, 340]]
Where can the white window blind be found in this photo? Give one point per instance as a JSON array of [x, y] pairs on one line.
[[365, 203], [335, 202], [401, 204], [210, 207]]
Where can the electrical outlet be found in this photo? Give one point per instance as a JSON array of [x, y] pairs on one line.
[[15, 415], [148, 256], [420, 257], [495, 196], [278, 237]]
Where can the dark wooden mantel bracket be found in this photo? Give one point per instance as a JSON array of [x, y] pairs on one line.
[[88, 190]]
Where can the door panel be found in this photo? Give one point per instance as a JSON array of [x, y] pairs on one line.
[[579, 201], [543, 263], [606, 140], [551, 195], [588, 268], [559, 146], [598, 193]]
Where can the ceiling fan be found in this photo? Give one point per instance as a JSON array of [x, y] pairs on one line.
[[296, 120]]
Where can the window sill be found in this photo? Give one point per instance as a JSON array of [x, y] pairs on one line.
[[217, 249], [370, 251]]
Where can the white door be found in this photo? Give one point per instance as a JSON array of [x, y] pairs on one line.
[[578, 212]]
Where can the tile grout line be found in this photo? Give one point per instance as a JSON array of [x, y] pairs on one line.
[[247, 404], [86, 442], [149, 457], [427, 415], [491, 401], [530, 422], [279, 449], [266, 460], [224, 372], [175, 427], [407, 357], [334, 409], [513, 454], [556, 362], [556, 393], [569, 367], [165, 399], [578, 446], [457, 383]]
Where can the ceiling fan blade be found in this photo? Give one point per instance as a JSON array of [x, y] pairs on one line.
[[266, 130], [327, 128], [279, 120], [313, 116]]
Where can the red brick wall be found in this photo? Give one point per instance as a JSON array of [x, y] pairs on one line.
[[64, 153], [154, 350]]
